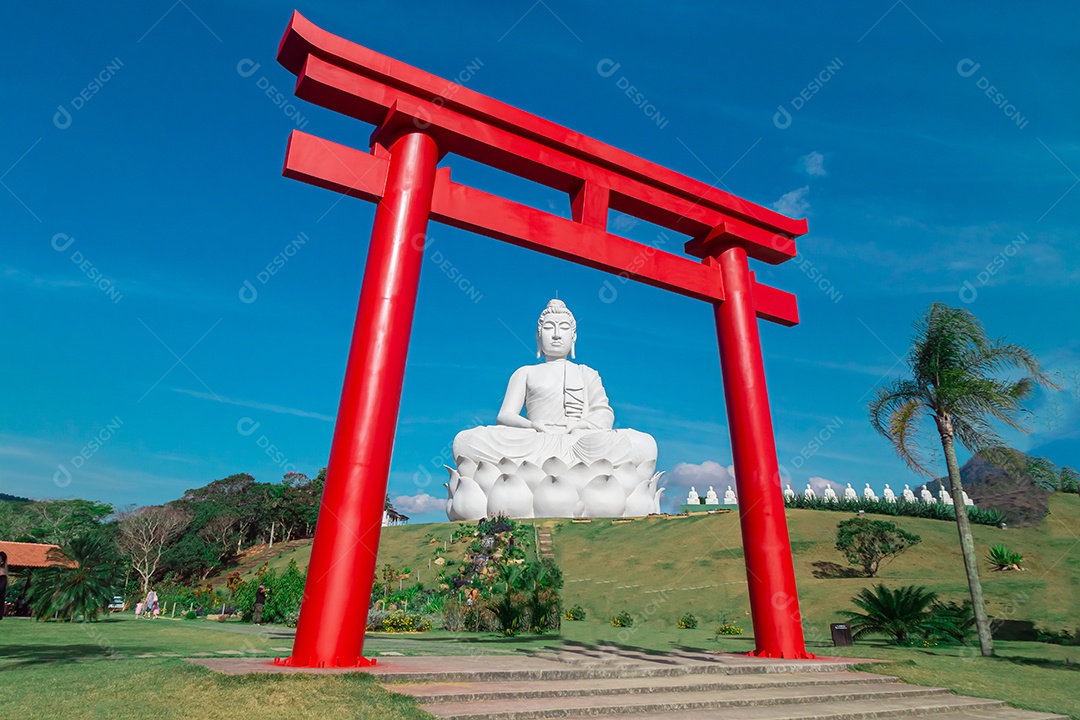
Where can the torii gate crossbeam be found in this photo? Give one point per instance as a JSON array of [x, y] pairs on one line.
[[419, 119]]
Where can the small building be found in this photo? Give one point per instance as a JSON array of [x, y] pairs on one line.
[[22, 555], [391, 516]]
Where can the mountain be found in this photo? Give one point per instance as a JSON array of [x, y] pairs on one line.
[[1014, 491]]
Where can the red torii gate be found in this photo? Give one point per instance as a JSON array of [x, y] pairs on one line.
[[418, 119]]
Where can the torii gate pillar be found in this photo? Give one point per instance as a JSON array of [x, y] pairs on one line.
[[770, 573], [345, 549]]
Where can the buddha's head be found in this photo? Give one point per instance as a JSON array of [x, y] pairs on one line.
[[556, 332]]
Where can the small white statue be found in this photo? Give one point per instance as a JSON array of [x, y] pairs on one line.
[[849, 493], [946, 498], [711, 498], [789, 494], [809, 493], [909, 496], [927, 497], [888, 494], [830, 494], [729, 497], [868, 493], [968, 501], [693, 498]]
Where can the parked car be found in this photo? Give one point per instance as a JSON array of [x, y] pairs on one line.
[[117, 604]]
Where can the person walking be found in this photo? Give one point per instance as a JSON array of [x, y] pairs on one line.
[[3, 583], [260, 600], [151, 603]]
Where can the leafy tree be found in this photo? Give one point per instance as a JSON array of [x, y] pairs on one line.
[[956, 380], [146, 532], [868, 542], [897, 614], [1051, 477], [80, 582]]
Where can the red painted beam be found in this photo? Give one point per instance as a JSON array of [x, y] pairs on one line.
[[361, 83], [344, 169]]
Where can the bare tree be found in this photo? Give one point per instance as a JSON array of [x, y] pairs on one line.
[[144, 534], [219, 533]]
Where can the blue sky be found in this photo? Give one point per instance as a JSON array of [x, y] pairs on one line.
[[933, 148]]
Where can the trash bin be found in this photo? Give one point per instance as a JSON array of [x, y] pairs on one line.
[[841, 634]]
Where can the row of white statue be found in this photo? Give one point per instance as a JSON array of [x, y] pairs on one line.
[[830, 495], [564, 458]]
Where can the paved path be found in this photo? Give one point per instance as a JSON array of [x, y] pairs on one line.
[[586, 682]]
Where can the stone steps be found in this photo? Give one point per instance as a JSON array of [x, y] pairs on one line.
[[445, 692], [579, 683]]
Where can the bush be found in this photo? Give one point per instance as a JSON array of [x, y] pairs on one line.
[[453, 615], [868, 542], [1002, 558], [937, 511], [728, 629], [623, 619], [190, 615], [687, 622], [575, 613], [376, 618], [283, 594], [406, 622], [911, 611]]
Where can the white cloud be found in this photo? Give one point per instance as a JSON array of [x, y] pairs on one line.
[[419, 503], [256, 405], [814, 164], [793, 204]]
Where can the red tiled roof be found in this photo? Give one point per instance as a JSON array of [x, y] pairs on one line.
[[27, 554]]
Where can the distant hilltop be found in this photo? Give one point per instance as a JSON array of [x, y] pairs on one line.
[[1011, 489]]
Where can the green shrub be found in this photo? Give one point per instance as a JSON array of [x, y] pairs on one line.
[[623, 619], [575, 613], [190, 615], [728, 629], [687, 622], [1002, 558]]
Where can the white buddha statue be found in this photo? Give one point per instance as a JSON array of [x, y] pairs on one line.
[[789, 494], [967, 501], [566, 434], [888, 494], [567, 415], [909, 496], [693, 498], [729, 497], [830, 494], [809, 493], [849, 493], [927, 497], [711, 497], [944, 496], [868, 493]]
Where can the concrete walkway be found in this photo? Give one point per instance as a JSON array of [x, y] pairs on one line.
[[586, 682]]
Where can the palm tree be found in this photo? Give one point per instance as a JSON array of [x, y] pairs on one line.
[[955, 379], [895, 613], [78, 582]]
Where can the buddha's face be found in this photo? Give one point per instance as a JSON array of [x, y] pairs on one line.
[[556, 336]]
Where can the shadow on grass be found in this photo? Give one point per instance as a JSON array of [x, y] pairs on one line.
[[13, 658], [1040, 662], [824, 570]]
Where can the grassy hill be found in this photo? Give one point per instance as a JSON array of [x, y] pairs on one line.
[[659, 568]]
